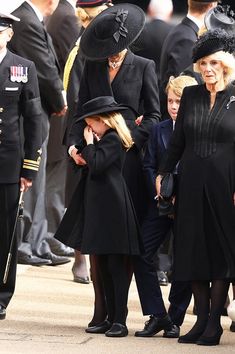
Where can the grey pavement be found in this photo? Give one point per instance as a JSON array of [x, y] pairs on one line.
[[49, 314]]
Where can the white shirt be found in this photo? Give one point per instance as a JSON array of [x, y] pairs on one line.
[[196, 21], [2, 55]]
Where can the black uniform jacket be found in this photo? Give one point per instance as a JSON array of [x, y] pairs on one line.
[[31, 41], [16, 99], [135, 85], [101, 218]]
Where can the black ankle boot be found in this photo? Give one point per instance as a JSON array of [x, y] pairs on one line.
[[209, 341]]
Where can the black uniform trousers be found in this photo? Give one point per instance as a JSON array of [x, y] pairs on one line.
[[154, 231], [9, 197]]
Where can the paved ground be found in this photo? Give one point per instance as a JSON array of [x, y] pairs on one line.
[[49, 313]]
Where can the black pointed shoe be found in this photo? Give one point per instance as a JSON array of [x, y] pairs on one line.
[[2, 313], [117, 330], [173, 332], [100, 328], [155, 325], [209, 341], [190, 338]]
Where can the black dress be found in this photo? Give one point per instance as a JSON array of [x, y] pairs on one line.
[[101, 218], [204, 142]]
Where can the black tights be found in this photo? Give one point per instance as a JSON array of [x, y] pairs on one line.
[[209, 303], [116, 285]]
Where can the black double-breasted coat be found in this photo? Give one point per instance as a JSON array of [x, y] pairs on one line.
[[204, 142], [135, 85], [101, 218]]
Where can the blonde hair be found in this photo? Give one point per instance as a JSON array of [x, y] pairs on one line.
[[228, 62], [116, 121], [177, 84], [87, 14]]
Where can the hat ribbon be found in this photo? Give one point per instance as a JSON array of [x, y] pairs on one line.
[[121, 18]]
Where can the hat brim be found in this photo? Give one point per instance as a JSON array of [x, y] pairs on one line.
[[103, 110], [94, 48]]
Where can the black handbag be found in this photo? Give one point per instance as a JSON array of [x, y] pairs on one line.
[[167, 192]]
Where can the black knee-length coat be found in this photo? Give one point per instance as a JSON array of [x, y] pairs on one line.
[[101, 218], [204, 142]]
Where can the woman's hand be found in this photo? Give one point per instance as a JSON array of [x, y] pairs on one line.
[[88, 135]]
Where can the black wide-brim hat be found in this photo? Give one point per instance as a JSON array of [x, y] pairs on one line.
[[112, 31], [211, 42], [99, 105], [220, 17]]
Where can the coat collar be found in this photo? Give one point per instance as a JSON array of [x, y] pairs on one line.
[[166, 129], [187, 22]]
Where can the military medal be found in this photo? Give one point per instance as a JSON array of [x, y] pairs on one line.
[[19, 73]]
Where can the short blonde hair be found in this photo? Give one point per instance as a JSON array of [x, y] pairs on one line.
[[87, 14], [228, 62], [177, 84], [116, 121]]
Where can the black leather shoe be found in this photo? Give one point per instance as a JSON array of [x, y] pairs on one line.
[[56, 260], [100, 328], [209, 341], [162, 278], [117, 330], [174, 332], [232, 327], [33, 260], [155, 325], [2, 313], [59, 249]]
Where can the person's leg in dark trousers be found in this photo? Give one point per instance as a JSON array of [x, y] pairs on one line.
[[179, 297], [154, 231], [9, 196]]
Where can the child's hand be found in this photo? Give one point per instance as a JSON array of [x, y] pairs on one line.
[[138, 120], [88, 135]]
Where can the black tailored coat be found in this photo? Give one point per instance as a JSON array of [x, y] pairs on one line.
[[33, 42], [152, 38], [19, 159], [101, 218], [135, 85], [64, 30], [204, 142]]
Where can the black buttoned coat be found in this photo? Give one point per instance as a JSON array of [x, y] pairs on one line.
[[134, 85], [101, 218], [204, 142]]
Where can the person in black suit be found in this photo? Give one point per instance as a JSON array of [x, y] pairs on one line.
[[177, 48], [64, 30], [156, 30], [156, 226], [19, 159], [32, 41]]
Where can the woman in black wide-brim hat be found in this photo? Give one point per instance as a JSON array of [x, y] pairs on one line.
[[112, 69], [203, 141]]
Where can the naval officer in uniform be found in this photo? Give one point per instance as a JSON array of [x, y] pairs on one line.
[[19, 157]]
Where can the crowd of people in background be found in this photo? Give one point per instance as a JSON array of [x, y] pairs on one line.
[[102, 112]]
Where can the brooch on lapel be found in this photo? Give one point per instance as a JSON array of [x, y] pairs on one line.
[[19, 73], [232, 99]]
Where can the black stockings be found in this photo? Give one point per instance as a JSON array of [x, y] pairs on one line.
[[116, 286], [209, 303]]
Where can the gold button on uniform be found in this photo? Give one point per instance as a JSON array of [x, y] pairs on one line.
[[0, 121], [1, 109]]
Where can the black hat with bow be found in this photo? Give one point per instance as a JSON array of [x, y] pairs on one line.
[[112, 31]]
